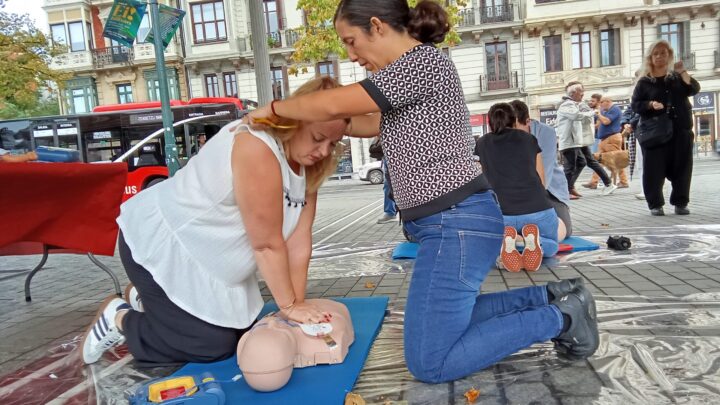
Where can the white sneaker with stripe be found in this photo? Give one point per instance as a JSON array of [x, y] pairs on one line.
[[133, 298], [102, 334]]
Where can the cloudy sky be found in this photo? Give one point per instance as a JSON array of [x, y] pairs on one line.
[[32, 7]]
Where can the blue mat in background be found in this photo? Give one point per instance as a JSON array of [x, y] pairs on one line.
[[579, 244], [323, 384], [405, 250], [408, 250]]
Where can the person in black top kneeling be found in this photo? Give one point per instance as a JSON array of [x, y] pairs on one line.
[[511, 160]]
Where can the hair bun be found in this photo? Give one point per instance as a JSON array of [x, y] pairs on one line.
[[428, 22]]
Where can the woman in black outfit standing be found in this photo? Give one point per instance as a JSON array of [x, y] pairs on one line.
[[664, 88]]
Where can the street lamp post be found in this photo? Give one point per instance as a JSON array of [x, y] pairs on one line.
[[171, 152]]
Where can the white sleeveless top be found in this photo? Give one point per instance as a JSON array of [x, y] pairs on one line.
[[188, 233]]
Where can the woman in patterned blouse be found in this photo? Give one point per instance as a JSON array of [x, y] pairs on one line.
[[414, 100]]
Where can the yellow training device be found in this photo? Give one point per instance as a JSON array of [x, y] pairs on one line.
[[167, 389]]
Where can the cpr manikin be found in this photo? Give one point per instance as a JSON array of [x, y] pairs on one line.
[[269, 351]]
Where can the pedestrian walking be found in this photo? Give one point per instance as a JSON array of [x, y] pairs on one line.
[[575, 131]]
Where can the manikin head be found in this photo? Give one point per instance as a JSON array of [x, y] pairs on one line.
[[269, 351]]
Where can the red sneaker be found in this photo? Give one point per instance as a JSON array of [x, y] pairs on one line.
[[532, 255], [510, 257]]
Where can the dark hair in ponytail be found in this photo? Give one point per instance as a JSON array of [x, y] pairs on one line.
[[427, 22], [502, 117]]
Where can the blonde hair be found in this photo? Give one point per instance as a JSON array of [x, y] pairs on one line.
[[647, 67], [316, 174]]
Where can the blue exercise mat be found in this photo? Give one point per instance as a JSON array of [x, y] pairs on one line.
[[322, 384], [405, 250], [579, 244], [408, 250]]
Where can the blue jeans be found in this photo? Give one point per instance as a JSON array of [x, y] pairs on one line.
[[450, 330], [388, 205], [547, 222]]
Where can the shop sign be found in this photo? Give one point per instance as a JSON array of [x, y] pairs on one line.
[[704, 101], [548, 116]]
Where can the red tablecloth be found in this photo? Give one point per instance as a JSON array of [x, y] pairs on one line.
[[69, 205]]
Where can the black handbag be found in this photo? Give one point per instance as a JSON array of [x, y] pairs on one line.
[[655, 131], [658, 130], [375, 150]]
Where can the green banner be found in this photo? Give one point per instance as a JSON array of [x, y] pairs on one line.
[[170, 19], [124, 20]]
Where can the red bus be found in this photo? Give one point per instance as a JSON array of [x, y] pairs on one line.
[[115, 131]]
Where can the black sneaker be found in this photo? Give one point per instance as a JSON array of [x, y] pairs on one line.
[[564, 287], [582, 338], [657, 212], [682, 210]]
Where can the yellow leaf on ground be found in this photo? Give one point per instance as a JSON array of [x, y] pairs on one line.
[[471, 395], [369, 285], [354, 399]]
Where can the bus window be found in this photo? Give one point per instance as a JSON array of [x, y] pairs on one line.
[[67, 134], [44, 133], [15, 136], [149, 155], [102, 146]]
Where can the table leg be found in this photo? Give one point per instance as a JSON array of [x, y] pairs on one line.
[[108, 271], [37, 268]]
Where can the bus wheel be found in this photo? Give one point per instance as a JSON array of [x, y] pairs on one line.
[[154, 182]]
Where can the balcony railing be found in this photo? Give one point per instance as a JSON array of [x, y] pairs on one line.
[[500, 81], [274, 39], [112, 55], [497, 13], [467, 17], [487, 15], [291, 37]]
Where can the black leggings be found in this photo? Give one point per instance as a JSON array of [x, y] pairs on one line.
[[166, 335]]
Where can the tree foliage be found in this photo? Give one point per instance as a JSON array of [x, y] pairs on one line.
[[25, 55], [318, 38]]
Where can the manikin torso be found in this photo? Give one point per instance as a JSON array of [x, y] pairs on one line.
[[274, 346]]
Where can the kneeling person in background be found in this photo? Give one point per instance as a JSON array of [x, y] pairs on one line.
[[511, 159]]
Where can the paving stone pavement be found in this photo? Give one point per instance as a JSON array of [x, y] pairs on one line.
[[67, 291]]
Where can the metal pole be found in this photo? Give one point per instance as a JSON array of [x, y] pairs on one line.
[[260, 52], [171, 153]]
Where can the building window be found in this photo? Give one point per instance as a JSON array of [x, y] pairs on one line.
[[326, 68], [208, 22], [144, 28], [212, 88], [58, 34], [609, 47], [76, 35], [272, 18], [124, 93], [77, 39], [80, 95], [153, 84], [580, 43], [496, 66], [278, 82], [230, 83], [673, 33], [553, 53]]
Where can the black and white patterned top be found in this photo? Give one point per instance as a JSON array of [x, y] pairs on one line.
[[425, 132]]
